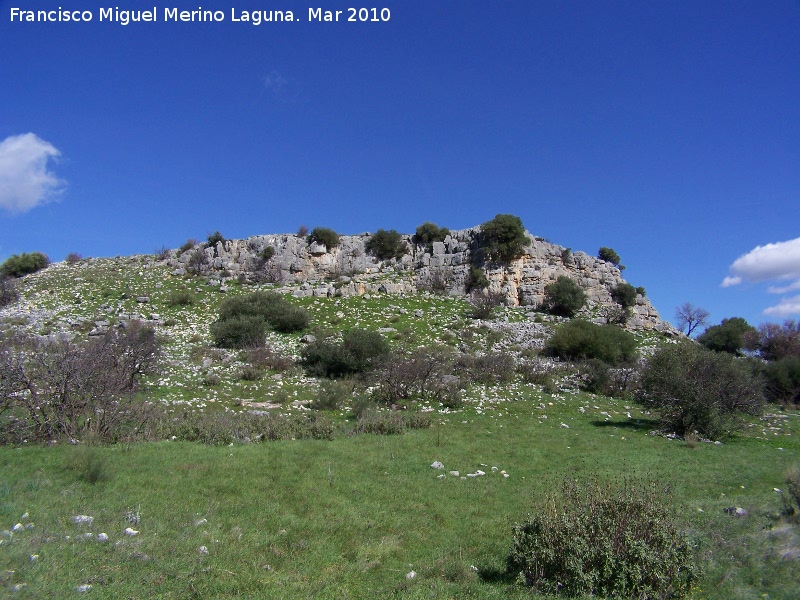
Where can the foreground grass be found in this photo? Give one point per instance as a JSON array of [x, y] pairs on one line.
[[352, 517]]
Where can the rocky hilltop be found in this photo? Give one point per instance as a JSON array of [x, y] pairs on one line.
[[348, 269]]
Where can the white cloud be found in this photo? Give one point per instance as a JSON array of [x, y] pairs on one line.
[[785, 308], [780, 260], [729, 281], [773, 289], [25, 179]]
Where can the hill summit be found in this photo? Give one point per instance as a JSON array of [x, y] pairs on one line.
[[350, 266]]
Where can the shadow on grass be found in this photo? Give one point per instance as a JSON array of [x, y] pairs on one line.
[[496, 576], [644, 425]]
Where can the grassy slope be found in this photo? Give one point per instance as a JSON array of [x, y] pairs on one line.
[[351, 517]]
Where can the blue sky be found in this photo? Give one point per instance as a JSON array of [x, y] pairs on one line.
[[669, 131]]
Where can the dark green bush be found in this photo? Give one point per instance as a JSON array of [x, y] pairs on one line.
[[581, 340], [358, 352], [215, 238], [428, 232], [18, 265], [783, 380], [695, 389], [323, 236], [564, 297], [610, 255], [476, 279], [728, 336], [187, 245], [624, 294], [267, 253], [244, 320], [641, 291], [604, 540], [503, 238], [386, 244]]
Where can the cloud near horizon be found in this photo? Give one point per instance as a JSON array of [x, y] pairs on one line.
[[26, 181], [772, 262]]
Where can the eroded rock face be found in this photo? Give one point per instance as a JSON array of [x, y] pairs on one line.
[[347, 269]]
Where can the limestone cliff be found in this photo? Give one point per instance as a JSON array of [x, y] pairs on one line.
[[348, 269]]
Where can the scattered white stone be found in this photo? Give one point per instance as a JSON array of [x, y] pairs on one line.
[[777, 490], [437, 465], [203, 550], [33, 557], [495, 469], [410, 575], [479, 473], [131, 532], [506, 475], [200, 522], [18, 587], [455, 473], [88, 535], [18, 527], [472, 474], [24, 516], [565, 426], [102, 537], [84, 587], [83, 519], [442, 476]]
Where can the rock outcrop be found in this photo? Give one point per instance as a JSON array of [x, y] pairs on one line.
[[348, 269]]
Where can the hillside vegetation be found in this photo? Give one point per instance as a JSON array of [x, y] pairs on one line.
[[375, 445]]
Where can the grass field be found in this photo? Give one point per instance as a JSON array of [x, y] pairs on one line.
[[356, 516]]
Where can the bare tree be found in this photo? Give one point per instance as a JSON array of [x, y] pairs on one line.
[[690, 316]]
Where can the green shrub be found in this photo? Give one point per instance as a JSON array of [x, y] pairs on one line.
[[624, 294], [244, 320], [323, 236], [239, 331], [332, 394], [728, 336], [695, 389], [214, 239], [481, 306], [187, 245], [386, 244], [775, 341], [251, 373], [564, 297], [267, 253], [89, 465], [476, 279], [180, 298], [606, 541], [428, 232], [358, 352], [73, 258], [491, 368], [783, 380], [503, 238], [581, 340], [641, 291], [18, 265], [610, 255]]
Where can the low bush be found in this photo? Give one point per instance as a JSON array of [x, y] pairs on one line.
[[695, 389], [62, 389], [323, 236], [244, 320], [73, 258], [358, 352], [563, 298], [266, 358], [423, 374], [482, 305], [187, 245], [180, 298], [386, 244], [19, 265], [598, 539], [783, 380], [490, 368], [332, 394], [581, 340], [792, 479], [214, 239], [476, 279]]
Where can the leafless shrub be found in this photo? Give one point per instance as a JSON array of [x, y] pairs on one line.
[[8, 291], [61, 388], [265, 357], [426, 373], [491, 368], [483, 303]]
